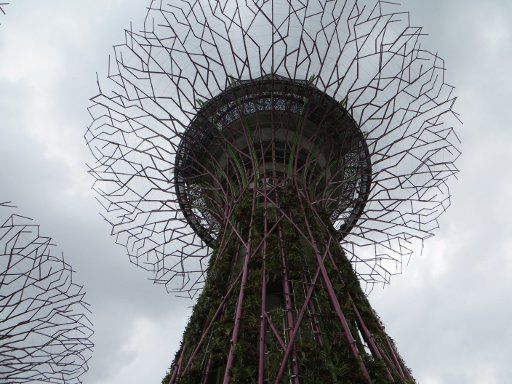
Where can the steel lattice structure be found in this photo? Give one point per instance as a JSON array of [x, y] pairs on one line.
[[44, 328], [287, 149]]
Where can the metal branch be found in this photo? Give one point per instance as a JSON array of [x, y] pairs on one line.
[[45, 330]]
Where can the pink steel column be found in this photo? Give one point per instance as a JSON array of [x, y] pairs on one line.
[[238, 318], [288, 304], [261, 361], [240, 302], [314, 324], [263, 312]]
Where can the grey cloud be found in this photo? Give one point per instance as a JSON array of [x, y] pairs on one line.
[[448, 313]]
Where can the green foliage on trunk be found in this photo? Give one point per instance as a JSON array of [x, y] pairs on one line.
[[321, 350]]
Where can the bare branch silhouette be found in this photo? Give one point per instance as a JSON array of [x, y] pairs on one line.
[[44, 328]]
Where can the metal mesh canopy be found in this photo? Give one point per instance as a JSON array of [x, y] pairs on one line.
[[43, 318], [363, 54]]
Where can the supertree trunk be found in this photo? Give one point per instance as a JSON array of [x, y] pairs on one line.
[[283, 304]]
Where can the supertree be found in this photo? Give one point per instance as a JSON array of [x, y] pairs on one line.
[[44, 329], [272, 156]]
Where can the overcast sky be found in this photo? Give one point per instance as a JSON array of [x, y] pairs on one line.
[[450, 311]]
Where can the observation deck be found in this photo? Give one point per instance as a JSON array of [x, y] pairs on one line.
[[272, 132]]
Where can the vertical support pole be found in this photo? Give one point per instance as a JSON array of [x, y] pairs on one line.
[[288, 305], [238, 319], [261, 359], [245, 278], [263, 312], [314, 324], [207, 371]]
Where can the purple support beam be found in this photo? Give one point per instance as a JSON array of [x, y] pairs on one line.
[[288, 305], [240, 301]]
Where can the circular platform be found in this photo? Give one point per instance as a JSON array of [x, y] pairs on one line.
[[272, 131]]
